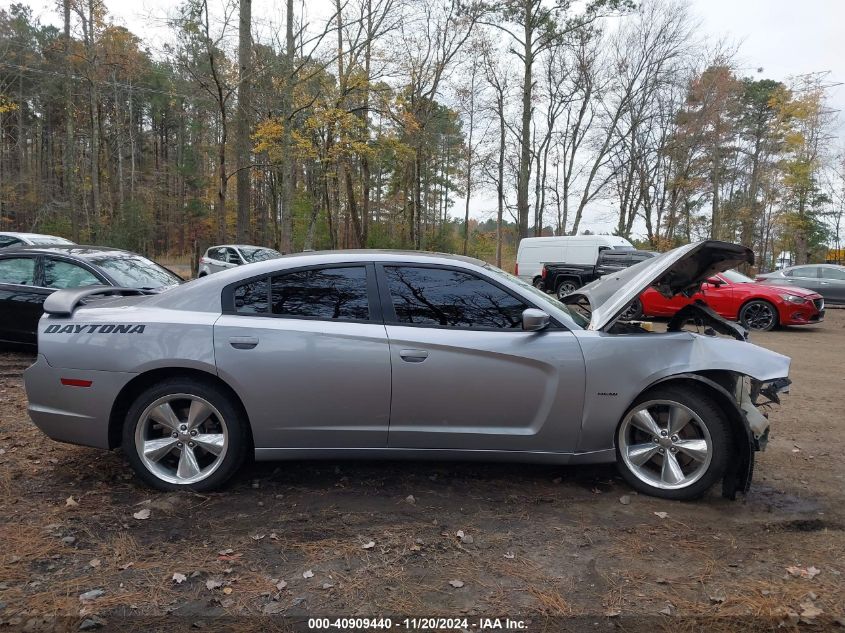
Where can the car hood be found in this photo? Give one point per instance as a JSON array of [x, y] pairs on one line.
[[787, 289], [680, 270]]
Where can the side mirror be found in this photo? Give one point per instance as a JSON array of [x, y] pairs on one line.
[[715, 281], [534, 320]]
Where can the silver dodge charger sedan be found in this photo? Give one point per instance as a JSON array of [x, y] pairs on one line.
[[372, 354]]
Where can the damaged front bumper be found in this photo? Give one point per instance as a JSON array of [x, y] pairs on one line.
[[754, 399]]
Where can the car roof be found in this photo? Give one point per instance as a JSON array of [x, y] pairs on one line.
[[29, 235], [269, 248], [72, 250]]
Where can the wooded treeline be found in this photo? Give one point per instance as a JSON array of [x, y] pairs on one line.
[[445, 125]]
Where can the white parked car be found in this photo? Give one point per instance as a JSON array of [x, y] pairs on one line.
[[31, 239], [533, 252], [227, 256]]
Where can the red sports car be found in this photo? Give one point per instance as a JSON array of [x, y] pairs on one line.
[[734, 296]]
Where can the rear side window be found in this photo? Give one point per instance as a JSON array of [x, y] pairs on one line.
[[6, 240], [451, 298], [17, 270], [327, 293], [61, 274], [253, 298]]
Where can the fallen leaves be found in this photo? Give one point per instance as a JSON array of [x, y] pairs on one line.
[[179, 578], [457, 584], [368, 545], [213, 583], [71, 502], [661, 515], [142, 514], [410, 499], [308, 574], [801, 572]]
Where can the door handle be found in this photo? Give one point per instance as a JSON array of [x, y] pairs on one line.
[[243, 342], [413, 355]]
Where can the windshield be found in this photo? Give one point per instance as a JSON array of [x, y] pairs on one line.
[[134, 271], [575, 316], [736, 278], [252, 255]]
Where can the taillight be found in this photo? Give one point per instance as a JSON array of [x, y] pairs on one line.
[[516, 268], [543, 272]]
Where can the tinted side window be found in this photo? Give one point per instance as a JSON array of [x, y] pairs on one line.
[[806, 271], [451, 298], [833, 273], [17, 270], [328, 293], [60, 274], [252, 298], [6, 240]]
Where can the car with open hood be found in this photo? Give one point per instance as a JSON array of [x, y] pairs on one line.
[[380, 354]]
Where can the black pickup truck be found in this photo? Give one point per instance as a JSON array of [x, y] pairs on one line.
[[562, 279]]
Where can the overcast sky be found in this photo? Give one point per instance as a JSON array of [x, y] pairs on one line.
[[781, 37]]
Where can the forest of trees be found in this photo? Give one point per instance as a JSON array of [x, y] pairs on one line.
[[448, 125]]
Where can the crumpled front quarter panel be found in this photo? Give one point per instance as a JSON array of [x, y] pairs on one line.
[[620, 367]]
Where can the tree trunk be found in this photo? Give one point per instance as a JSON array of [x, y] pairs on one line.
[[242, 127], [525, 131]]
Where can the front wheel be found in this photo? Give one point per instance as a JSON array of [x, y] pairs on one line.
[[758, 315], [184, 434], [674, 443]]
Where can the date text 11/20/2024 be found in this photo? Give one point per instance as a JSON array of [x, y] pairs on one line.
[[418, 624]]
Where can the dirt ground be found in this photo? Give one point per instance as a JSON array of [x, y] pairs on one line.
[[380, 539]]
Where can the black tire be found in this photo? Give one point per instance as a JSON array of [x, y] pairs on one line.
[[566, 287], [713, 418], [759, 315], [633, 312], [237, 443], [539, 284]]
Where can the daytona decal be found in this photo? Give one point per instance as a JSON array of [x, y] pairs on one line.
[[95, 329]]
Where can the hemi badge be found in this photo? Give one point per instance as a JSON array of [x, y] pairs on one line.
[[75, 382]]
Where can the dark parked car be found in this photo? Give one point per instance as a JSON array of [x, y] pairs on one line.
[[826, 279], [28, 275], [563, 279]]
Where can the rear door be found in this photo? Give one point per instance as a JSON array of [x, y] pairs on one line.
[[307, 352], [21, 299], [465, 375]]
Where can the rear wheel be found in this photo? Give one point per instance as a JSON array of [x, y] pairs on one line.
[[567, 286], [673, 443], [758, 315], [184, 434]]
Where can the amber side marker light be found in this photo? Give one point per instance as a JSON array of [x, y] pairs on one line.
[[75, 382]]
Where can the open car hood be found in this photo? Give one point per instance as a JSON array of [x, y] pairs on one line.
[[680, 270]]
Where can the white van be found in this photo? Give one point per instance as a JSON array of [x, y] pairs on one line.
[[533, 252]]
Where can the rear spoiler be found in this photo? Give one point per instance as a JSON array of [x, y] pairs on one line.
[[64, 302]]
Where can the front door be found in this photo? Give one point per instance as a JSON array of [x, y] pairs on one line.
[[465, 375], [21, 299], [832, 284], [307, 352]]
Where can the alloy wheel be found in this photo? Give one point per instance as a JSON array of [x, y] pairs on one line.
[[758, 315], [665, 444], [181, 438], [565, 288]]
